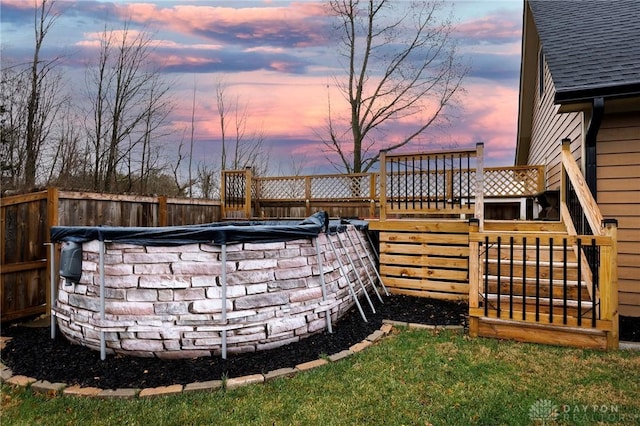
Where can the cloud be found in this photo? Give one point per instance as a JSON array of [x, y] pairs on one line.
[[497, 66], [505, 27], [295, 25]]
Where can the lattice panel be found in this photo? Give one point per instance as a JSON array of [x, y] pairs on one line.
[[511, 183], [282, 189], [341, 186], [464, 184]]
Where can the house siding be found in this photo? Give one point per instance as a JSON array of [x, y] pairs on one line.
[[618, 151], [618, 156], [548, 130]]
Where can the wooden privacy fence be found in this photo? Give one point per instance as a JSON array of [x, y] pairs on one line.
[[27, 219]]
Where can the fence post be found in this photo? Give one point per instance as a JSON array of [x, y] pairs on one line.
[[307, 195], [53, 199], [479, 208], [609, 281], [474, 277], [383, 185], [247, 189], [163, 213]]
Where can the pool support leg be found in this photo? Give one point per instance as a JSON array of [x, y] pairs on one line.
[[323, 285], [224, 300], [52, 287], [103, 343]]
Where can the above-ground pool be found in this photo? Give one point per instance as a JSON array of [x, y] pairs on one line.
[[191, 291]]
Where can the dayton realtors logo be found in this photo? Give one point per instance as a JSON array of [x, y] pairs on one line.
[[545, 412]]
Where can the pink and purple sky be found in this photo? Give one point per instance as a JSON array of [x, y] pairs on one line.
[[277, 57]]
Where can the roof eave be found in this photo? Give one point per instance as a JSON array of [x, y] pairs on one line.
[[586, 94]]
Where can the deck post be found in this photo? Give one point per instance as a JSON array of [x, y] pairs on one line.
[[223, 194], [609, 282], [474, 277], [383, 185], [247, 193], [372, 195], [479, 208]]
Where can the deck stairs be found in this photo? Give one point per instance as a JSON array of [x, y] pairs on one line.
[[536, 279]]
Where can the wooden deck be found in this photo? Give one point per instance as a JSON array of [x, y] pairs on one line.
[[420, 205], [429, 213]]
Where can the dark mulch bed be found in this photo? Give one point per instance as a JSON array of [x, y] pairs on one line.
[[33, 353]]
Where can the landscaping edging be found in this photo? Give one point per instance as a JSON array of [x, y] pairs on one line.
[[44, 387]]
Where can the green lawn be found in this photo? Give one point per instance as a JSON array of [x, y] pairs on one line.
[[413, 377]]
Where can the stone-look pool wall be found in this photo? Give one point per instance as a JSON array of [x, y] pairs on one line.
[[166, 301]]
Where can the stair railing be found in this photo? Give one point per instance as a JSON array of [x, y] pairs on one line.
[[577, 200], [580, 213], [500, 308]]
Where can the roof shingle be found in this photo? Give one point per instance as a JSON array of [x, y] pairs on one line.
[[591, 46]]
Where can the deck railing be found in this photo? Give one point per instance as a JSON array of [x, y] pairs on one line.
[[235, 200], [449, 182], [432, 183]]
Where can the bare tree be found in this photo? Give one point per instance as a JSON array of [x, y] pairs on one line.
[[175, 170], [208, 181], [401, 69], [40, 105], [248, 147], [68, 162], [30, 104], [129, 104], [13, 95]]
